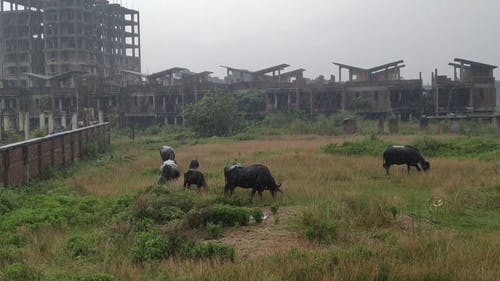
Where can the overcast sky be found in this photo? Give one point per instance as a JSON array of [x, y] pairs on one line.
[[311, 34]]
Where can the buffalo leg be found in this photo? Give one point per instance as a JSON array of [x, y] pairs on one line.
[[408, 168], [252, 194], [387, 170], [273, 193], [260, 194], [418, 168]]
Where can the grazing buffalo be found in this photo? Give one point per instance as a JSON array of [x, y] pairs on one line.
[[168, 171], [194, 177], [257, 177], [167, 153], [400, 155], [194, 164]]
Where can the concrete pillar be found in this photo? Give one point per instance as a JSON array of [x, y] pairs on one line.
[[275, 101], [467, 124], [424, 123], [74, 121], [454, 126], [381, 126], [20, 123], [42, 120], [101, 116], [496, 122], [350, 126], [51, 122], [6, 122], [27, 126], [393, 125], [63, 121]]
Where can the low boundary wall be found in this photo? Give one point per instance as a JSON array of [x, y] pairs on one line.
[[22, 161]]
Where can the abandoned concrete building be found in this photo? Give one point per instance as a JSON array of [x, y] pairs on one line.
[[68, 63], [471, 91]]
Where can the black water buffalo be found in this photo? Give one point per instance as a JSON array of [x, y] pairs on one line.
[[400, 155], [168, 171], [167, 153], [194, 177], [257, 177], [194, 164]]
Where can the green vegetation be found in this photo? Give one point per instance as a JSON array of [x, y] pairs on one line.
[[214, 115], [461, 147], [340, 217]]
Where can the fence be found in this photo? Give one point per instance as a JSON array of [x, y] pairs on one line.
[[20, 162]]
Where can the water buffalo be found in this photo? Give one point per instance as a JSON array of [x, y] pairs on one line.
[[257, 177], [168, 171], [194, 164], [400, 155], [194, 177], [167, 153]]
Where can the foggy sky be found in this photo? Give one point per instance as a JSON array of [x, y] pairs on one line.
[[253, 34]]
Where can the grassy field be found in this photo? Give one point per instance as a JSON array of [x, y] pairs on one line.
[[339, 217]]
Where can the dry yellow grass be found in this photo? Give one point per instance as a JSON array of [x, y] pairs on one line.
[[310, 177]]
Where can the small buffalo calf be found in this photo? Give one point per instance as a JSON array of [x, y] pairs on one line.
[[194, 177], [194, 164]]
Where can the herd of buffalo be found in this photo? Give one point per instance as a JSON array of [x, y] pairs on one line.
[[258, 177]]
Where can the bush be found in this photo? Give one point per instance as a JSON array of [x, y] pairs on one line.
[[317, 223], [214, 231], [80, 245], [274, 208], [368, 146], [322, 232], [162, 205], [19, 272], [257, 214], [214, 115], [210, 251], [148, 246], [218, 214]]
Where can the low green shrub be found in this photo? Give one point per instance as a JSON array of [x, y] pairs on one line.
[[274, 208], [19, 272], [80, 245], [210, 251], [148, 246], [257, 215], [214, 231], [218, 214]]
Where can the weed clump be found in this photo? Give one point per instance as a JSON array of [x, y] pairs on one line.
[[80, 245], [19, 271], [148, 246]]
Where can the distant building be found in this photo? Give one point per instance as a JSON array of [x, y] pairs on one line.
[[497, 84], [379, 90], [471, 91], [52, 37]]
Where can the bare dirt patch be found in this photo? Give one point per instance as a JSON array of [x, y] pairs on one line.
[[266, 238]]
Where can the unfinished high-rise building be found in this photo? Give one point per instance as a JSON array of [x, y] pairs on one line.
[[52, 37]]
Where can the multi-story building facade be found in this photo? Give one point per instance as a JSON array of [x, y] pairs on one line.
[[52, 37]]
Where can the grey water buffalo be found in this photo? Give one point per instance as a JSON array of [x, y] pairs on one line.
[[195, 177], [167, 153], [256, 176], [401, 155], [168, 171]]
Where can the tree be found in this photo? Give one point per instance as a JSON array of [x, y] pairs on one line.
[[215, 114]]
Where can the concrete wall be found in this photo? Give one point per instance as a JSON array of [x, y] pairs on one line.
[[497, 84], [20, 162]]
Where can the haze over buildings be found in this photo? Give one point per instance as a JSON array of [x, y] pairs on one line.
[[202, 34]]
